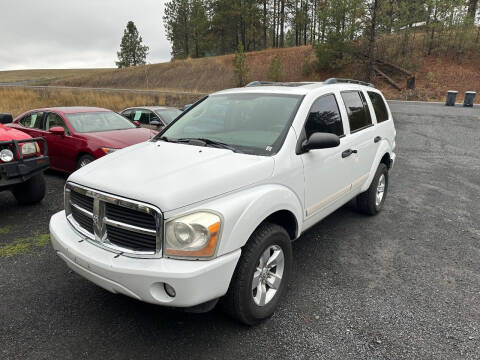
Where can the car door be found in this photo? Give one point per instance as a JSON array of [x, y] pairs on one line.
[[361, 137], [327, 173], [61, 148]]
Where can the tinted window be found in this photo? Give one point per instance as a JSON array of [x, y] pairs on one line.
[[379, 106], [128, 114], [324, 117], [32, 120], [357, 110], [142, 116], [54, 120]]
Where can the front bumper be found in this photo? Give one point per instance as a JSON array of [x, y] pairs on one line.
[[18, 172], [195, 282]]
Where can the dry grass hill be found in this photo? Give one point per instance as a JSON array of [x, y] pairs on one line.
[[434, 76]]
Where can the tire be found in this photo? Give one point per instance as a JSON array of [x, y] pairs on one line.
[[367, 201], [242, 301], [84, 160], [31, 191]]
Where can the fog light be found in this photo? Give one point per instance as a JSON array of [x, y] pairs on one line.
[[170, 290], [6, 155]]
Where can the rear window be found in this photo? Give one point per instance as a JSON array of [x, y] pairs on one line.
[[379, 106], [357, 110]]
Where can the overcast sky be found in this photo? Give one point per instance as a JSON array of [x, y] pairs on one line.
[[42, 34]]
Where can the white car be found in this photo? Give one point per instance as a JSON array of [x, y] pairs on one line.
[[208, 208]]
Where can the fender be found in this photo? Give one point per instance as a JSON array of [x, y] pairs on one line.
[[383, 148], [243, 211]]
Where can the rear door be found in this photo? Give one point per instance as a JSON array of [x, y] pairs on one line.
[[32, 124], [327, 173], [361, 137]]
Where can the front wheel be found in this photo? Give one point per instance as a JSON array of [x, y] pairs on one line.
[[84, 160], [261, 277], [30, 191]]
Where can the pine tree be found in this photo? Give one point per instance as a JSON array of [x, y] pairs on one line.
[[132, 51], [240, 67], [275, 70]]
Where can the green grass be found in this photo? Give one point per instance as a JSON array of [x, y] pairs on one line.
[[4, 230], [23, 246]]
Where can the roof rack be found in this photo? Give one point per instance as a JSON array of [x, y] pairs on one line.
[[260, 83], [350, 81]]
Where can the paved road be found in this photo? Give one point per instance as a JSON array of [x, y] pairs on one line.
[[402, 285]]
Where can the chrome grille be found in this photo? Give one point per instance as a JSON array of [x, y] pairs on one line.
[[118, 224]]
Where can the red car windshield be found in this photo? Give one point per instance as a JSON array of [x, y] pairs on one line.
[[98, 121]]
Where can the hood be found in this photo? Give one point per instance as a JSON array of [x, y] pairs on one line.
[[171, 175], [9, 133], [120, 138]]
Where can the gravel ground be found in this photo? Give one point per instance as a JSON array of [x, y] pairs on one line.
[[402, 285]]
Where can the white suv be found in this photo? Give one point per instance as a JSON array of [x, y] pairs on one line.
[[209, 207]]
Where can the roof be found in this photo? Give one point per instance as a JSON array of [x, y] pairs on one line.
[[152, 108], [74, 109]]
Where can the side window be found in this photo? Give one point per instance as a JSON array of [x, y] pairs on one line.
[[54, 120], [379, 106], [324, 117], [142, 116], [127, 114], [357, 110], [32, 120]]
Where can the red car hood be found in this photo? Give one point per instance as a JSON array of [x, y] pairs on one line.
[[119, 139], [8, 134]]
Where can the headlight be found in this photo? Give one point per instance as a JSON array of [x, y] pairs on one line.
[[192, 235], [30, 148], [108, 150], [6, 155]]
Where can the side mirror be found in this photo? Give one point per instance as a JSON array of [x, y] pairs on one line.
[[137, 123], [320, 141], [156, 123], [57, 130], [6, 118]]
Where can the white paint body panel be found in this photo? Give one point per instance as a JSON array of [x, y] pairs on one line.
[[244, 189]]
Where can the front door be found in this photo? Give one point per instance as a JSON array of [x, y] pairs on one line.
[[328, 175], [59, 147]]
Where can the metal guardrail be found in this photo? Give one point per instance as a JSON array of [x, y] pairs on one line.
[[77, 88]]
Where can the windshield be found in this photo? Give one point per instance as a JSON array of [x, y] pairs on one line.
[[98, 121], [251, 123], [168, 115]]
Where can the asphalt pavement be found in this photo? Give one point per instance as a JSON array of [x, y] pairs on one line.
[[401, 285]]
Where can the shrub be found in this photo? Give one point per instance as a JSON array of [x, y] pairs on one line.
[[275, 70]]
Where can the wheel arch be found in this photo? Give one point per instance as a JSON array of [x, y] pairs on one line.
[[383, 156]]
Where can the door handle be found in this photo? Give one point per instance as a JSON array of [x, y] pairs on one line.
[[377, 139], [348, 152]]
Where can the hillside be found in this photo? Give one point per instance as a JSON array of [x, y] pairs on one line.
[[434, 75]]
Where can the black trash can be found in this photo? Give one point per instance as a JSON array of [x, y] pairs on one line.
[[451, 97], [469, 97]]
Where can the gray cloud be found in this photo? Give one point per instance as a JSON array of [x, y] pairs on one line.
[[37, 34]]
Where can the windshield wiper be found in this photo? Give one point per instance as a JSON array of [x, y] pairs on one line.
[[209, 142]]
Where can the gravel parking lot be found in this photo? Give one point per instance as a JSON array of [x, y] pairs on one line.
[[402, 285]]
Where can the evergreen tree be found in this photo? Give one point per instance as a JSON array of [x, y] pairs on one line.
[[132, 51], [240, 67]]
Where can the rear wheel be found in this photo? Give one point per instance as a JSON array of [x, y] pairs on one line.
[[30, 191], [84, 160], [371, 201], [261, 276]]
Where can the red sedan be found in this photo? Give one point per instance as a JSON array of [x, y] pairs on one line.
[[78, 135]]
